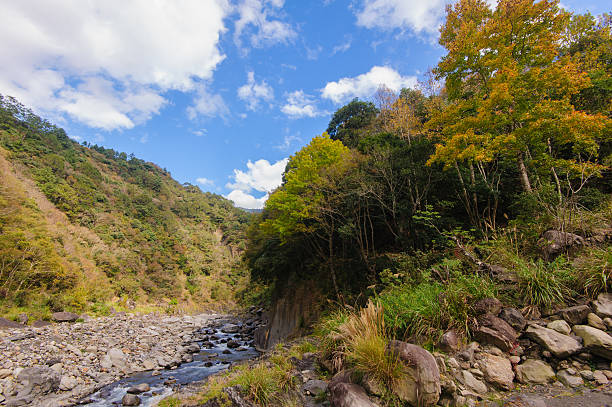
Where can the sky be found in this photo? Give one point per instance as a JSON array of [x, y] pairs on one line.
[[219, 92]]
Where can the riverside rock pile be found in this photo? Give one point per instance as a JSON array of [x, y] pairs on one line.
[[571, 350], [60, 363]]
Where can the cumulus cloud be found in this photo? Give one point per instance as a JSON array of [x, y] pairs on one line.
[[257, 22], [107, 64], [207, 104], [365, 85], [261, 176], [299, 105], [252, 92], [416, 15]]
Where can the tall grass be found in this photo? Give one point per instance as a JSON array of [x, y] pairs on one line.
[[594, 271], [544, 284]]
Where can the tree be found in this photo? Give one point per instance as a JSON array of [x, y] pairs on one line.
[[347, 122], [307, 203], [510, 93]]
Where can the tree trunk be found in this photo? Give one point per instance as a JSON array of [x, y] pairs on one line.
[[523, 174]]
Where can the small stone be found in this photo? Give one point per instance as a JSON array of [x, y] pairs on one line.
[[608, 374], [575, 315], [596, 322], [600, 377], [130, 400], [148, 364], [139, 388], [64, 316], [498, 371], [568, 379], [560, 326], [514, 318], [471, 383], [586, 375], [487, 305], [534, 371], [603, 305], [608, 322], [515, 360], [449, 342], [68, 383], [595, 340], [4, 373]]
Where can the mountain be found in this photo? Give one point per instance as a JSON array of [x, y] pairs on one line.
[[83, 227]]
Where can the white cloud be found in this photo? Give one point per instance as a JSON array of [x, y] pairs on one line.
[[257, 22], [205, 181], [299, 104], [343, 47], [284, 146], [416, 15], [207, 104], [260, 176], [107, 64], [252, 92], [365, 85]]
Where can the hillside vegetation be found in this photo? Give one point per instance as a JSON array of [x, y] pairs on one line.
[[433, 198], [83, 227]]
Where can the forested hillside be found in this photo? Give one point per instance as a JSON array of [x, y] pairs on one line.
[[413, 197], [83, 227]]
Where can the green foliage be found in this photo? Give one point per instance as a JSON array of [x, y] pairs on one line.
[[425, 311], [542, 284], [152, 236], [347, 123], [594, 271]]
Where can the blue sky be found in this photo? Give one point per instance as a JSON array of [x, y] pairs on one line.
[[219, 92]]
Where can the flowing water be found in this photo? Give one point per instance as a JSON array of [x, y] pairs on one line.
[[208, 361]]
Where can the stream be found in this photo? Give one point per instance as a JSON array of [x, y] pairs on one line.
[[214, 356]]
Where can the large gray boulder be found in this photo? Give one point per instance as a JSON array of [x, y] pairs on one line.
[[603, 305], [491, 330], [595, 340], [349, 395], [555, 242], [64, 316], [556, 343], [534, 371], [37, 381], [421, 384]]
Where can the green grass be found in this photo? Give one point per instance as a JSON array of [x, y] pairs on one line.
[[544, 284], [594, 271]]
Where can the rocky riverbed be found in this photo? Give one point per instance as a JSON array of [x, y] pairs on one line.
[[61, 364]]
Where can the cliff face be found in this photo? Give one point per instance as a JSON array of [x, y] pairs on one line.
[[293, 312]]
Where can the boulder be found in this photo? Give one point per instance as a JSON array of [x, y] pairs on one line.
[[193, 348], [314, 387], [68, 383], [595, 340], [534, 371], [514, 318], [575, 315], [471, 383], [570, 380], [230, 328], [556, 343], [487, 305], [600, 378], [560, 326], [8, 324], [449, 342], [492, 330], [349, 395], [421, 384], [139, 388], [115, 357], [37, 380], [64, 316], [555, 242], [233, 344], [603, 305], [130, 400], [497, 371], [596, 322]]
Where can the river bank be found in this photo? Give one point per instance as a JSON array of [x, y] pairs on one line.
[[60, 364]]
